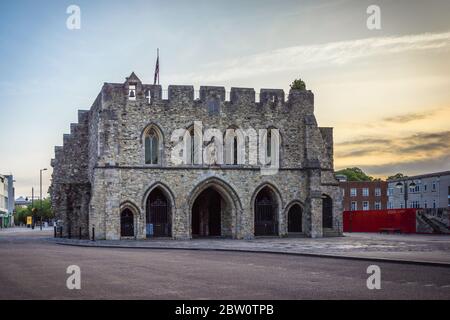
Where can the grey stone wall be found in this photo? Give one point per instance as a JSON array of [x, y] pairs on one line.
[[100, 170], [70, 188]]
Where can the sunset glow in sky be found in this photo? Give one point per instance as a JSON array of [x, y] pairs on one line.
[[386, 92]]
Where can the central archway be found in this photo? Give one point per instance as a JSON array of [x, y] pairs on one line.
[[207, 214], [214, 207]]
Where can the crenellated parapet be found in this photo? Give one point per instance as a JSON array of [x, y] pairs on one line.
[[134, 91]]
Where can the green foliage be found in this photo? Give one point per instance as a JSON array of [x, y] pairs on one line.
[[397, 176], [21, 214], [298, 84], [355, 174]]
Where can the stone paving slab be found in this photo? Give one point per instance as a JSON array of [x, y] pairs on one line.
[[419, 249]]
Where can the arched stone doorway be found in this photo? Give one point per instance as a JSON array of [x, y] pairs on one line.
[[158, 214], [126, 223], [212, 215], [295, 217], [327, 212], [266, 213], [207, 214], [211, 200]]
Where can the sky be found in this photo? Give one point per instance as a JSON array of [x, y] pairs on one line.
[[386, 92]]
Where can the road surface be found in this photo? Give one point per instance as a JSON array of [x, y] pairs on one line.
[[32, 268]]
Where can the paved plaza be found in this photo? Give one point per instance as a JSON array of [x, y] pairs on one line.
[[412, 248]]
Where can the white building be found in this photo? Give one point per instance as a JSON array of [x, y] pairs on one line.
[[423, 191], [6, 201]]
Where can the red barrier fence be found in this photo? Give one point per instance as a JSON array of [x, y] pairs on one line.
[[376, 220]]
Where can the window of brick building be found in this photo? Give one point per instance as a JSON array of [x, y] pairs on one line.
[[365, 192], [365, 205]]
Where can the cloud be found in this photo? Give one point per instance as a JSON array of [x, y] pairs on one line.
[[415, 145], [410, 117], [307, 56], [356, 153], [363, 142], [414, 167]]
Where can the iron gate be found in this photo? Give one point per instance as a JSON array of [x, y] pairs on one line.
[[158, 216], [265, 217]]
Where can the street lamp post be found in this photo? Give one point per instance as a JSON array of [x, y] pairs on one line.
[[33, 218], [405, 186], [40, 198]]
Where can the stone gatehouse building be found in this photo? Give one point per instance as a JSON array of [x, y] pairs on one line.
[[114, 172]]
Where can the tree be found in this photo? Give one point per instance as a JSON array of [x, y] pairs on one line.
[[397, 176], [355, 174], [298, 84], [22, 213]]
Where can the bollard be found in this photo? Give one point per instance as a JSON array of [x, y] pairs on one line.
[[80, 234], [54, 231], [93, 233], [60, 231]]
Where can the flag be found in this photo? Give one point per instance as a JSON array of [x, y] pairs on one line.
[[156, 77]]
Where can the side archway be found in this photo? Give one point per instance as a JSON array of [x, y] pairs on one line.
[[126, 223], [267, 206], [327, 212], [159, 207], [295, 218], [129, 214]]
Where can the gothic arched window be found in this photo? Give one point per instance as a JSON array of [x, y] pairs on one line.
[[235, 150], [192, 145], [233, 138], [273, 146], [152, 141]]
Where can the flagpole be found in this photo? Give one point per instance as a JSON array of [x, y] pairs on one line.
[[158, 63], [156, 75]]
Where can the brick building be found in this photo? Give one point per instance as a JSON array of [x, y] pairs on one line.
[[364, 195], [116, 171]]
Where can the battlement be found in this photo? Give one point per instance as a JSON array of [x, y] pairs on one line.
[[135, 91]]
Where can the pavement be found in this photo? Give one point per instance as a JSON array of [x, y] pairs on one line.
[[415, 249], [33, 267]]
